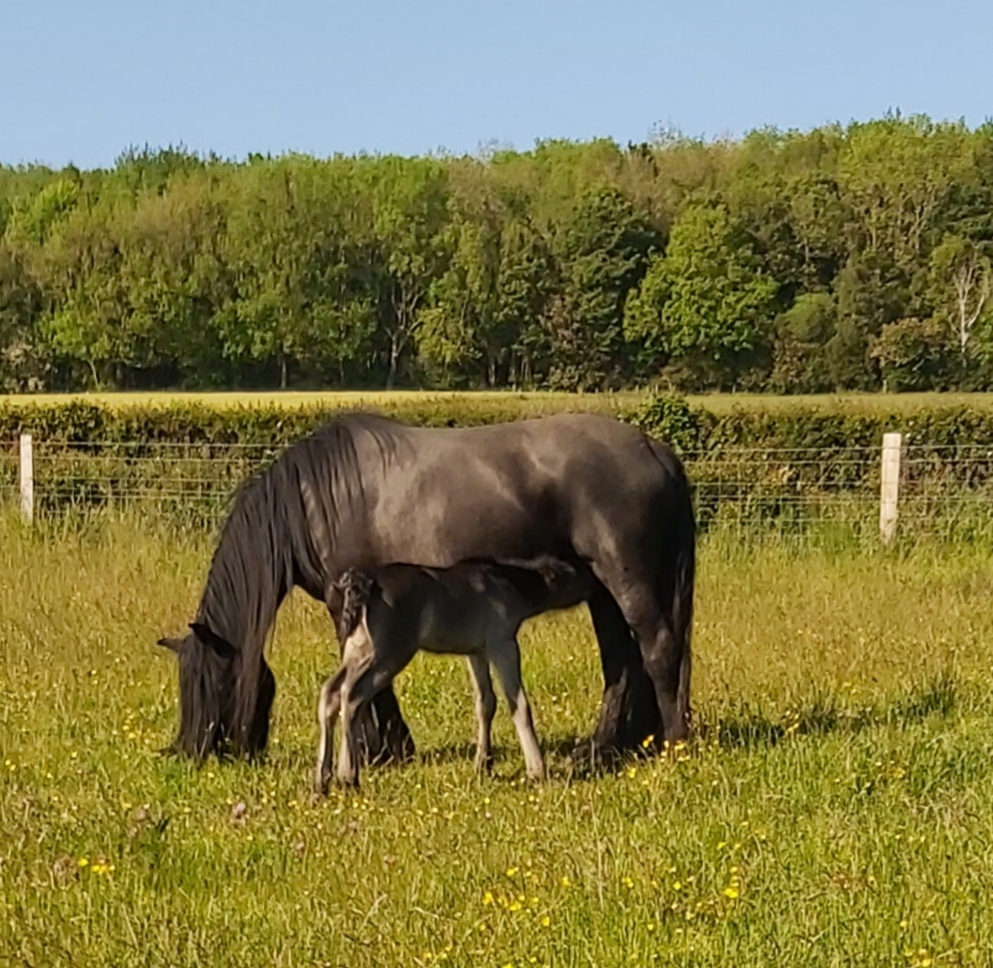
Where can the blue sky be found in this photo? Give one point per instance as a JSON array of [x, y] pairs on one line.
[[81, 82]]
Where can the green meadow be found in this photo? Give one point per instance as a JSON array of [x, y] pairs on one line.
[[833, 808]]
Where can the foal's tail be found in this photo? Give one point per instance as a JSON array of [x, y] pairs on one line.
[[681, 570], [356, 588]]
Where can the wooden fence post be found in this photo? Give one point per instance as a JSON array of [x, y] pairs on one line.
[[27, 477], [889, 490]]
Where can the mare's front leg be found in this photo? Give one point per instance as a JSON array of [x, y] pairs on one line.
[[506, 656], [482, 687]]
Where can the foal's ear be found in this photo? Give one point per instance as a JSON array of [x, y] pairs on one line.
[[209, 637], [173, 645]]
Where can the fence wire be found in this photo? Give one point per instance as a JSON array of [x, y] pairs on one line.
[[797, 491]]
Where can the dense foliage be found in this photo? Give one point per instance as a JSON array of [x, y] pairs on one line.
[[690, 429], [853, 257]]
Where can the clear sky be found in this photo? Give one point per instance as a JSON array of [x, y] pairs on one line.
[[83, 81]]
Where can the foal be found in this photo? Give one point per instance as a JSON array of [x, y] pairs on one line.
[[472, 609]]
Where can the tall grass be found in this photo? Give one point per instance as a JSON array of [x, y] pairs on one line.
[[834, 809]]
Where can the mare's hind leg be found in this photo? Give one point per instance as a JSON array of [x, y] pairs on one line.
[[506, 657], [629, 712], [328, 707], [482, 688], [639, 603]]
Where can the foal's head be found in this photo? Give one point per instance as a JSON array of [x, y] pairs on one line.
[[209, 667]]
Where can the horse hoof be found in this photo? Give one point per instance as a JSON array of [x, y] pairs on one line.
[[589, 758]]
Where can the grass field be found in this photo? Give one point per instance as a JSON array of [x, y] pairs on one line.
[[835, 809], [532, 401]]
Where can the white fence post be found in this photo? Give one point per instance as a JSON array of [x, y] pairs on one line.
[[889, 490], [27, 477]]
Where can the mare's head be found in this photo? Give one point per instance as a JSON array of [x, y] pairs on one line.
[[209, 718]]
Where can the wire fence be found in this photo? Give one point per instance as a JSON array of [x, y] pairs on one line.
[[791, 492]]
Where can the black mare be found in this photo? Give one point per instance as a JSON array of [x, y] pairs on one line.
[[365, 491]]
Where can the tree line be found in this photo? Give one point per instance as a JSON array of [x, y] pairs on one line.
[[853, 257]]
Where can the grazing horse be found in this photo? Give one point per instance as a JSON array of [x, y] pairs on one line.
[[365, 491], [471, 609]]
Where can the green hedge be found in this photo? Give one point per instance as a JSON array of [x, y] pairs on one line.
[[690, 428], [787, 467]]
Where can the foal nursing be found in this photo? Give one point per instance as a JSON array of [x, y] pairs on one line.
[[473, 609]]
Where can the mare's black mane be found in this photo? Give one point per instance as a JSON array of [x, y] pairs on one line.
[[280, 532]]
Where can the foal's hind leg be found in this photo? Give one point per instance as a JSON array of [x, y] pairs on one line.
[[372, 674], [506, 657], [482, 687]]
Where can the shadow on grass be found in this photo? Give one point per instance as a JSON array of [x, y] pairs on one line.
[[823, 713], [570, 756], [567, 755]]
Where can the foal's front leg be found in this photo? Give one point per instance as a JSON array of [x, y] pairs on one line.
[[482, 687]]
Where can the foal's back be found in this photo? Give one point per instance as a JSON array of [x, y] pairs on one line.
[[458, 609]]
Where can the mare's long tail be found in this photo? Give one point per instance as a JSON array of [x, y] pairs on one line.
[[682, 570]]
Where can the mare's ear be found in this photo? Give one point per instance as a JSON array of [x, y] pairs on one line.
[[173, 645], [209, 637]]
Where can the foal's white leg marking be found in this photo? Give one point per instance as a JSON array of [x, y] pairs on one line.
[[506, 657], [357, 657], [348, 758], [482, 688], [327, 712]]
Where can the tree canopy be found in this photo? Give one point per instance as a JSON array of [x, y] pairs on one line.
[[838, 258]]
